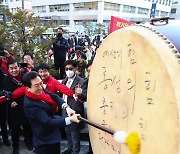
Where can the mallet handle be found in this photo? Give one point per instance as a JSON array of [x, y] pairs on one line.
[[96, 125]]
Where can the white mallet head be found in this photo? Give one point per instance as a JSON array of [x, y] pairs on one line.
[[120, 136]]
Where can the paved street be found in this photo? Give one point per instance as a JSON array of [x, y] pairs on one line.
[[23, 149]]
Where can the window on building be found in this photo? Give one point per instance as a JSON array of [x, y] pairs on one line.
[[39, 9], [173, 10], [164, 14], [142, 11], [1, 17], [157, 13], [86, 6], [59, 8], [169, 3], [129, 9], [174, 1], [111, 6]]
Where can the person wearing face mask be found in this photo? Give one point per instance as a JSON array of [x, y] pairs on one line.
[[78, 84], [60, 48], [49, 83]]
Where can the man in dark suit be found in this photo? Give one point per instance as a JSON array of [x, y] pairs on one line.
[[71, 41], [39, 108], [60, 49], [73, 81]]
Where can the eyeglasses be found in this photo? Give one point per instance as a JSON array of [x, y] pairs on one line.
[[70, 68]]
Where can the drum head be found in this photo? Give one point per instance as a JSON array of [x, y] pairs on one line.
[[134, 86]]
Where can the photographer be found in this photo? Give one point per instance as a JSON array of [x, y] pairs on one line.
[[60, 49]]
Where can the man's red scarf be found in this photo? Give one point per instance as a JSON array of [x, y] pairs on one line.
[[43, 97], [16, 79]]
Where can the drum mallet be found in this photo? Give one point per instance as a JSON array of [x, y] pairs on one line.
[[132, 139]]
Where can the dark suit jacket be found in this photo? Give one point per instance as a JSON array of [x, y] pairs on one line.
[[60, 48], [76, 105], [45, 125], [71, 42]]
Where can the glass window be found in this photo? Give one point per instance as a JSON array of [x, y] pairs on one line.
[[129, 9], [111, 6], [164, 14], [173, 11], [166, 2], [142, 11], [86, 6], [174, 1], [157, 13], [39, 9], [59, 8]]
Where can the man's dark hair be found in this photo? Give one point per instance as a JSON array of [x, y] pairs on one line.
[[26, 80], [60, 29], [43, 66], [12, 61], [74, 63], [29, 54]]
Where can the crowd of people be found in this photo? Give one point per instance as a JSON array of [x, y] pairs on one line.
[[33, 100]]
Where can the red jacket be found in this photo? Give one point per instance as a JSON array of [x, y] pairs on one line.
[[4, 63], [53, 86]]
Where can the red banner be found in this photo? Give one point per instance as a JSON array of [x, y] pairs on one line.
[[117, 23]]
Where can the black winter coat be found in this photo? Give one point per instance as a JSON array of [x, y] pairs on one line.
[[60, 48], [16, 115]]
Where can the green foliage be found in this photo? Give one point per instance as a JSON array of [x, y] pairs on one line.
[[23, 34], [91, 30], [88, 27], [99, 29]]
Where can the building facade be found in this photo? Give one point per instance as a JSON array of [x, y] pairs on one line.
[[4, 4], [175, 9], [74, 12]]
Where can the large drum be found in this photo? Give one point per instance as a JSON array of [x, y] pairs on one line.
[[134, 86]]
